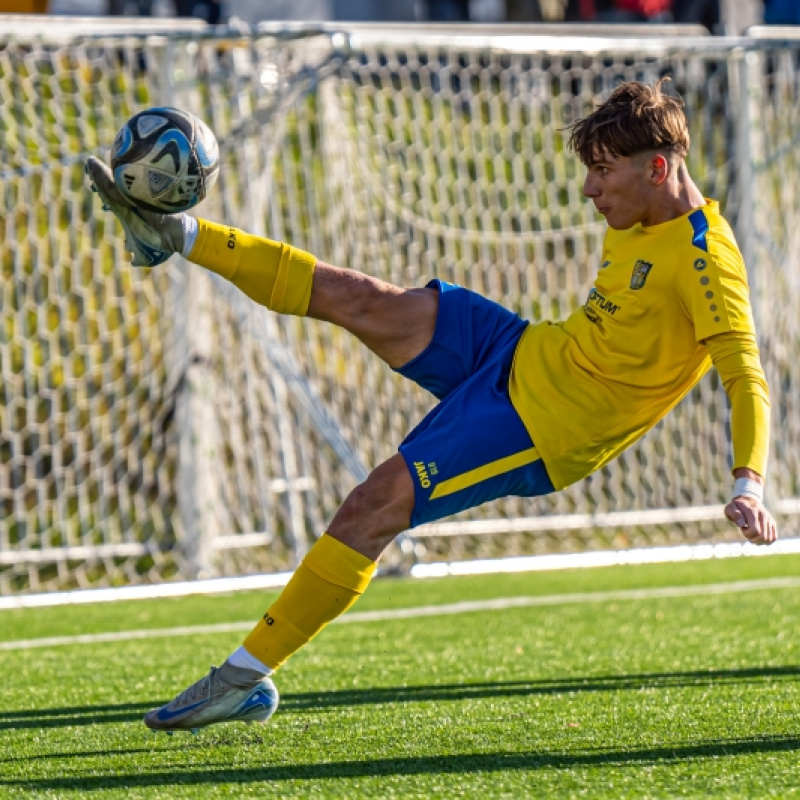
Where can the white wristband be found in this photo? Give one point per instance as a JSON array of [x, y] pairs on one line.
[[748, 486]]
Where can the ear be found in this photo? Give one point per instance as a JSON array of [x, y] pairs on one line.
[[657, 169]]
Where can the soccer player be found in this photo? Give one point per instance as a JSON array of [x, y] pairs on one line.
[[524, 409]]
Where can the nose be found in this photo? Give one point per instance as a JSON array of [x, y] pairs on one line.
[[589, 186]]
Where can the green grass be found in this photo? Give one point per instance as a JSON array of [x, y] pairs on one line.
[[694, 696]]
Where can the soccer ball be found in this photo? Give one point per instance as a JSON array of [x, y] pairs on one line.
[[165, 160]]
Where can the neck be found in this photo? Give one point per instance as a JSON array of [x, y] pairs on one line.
[[687, 196], [679, 197]]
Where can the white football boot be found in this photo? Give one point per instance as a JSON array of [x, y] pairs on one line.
[[226, 694], [151, 238]]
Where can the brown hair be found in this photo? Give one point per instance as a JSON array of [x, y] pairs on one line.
[[635, 118]]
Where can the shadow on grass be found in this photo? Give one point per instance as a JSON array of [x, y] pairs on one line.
[[318, 701], [321, 701], [73, 715], [464, 764]]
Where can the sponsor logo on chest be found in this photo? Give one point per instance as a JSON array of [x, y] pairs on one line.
[[598, 305], [599, 302]]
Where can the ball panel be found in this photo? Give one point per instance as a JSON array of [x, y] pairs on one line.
[[210, 179], [122, 142], [144, 124], [158, 183], [179, 119], [172, 151], [182, 195], [206, 146]]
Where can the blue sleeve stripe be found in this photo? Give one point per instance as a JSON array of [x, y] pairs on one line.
[[700, 228]]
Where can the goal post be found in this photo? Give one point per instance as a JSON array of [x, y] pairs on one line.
[[157, 425]]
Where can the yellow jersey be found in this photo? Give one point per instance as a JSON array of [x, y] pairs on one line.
[[588, 387]]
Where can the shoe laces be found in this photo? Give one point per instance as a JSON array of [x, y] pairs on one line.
[[201, 688]]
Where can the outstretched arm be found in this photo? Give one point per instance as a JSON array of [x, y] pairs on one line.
[[735, 355]]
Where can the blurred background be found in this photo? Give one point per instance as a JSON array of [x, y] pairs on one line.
[[728, 17]]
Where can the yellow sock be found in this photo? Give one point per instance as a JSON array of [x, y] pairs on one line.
[[330, 579], [274, 274]]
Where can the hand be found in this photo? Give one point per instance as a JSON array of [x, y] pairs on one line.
[[755, 522]]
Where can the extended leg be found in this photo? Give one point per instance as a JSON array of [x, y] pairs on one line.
[[396, 324]]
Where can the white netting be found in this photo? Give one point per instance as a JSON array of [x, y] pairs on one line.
[[158, 424]]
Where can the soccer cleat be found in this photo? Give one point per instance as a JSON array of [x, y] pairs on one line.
[[226, 694], [151, 238]]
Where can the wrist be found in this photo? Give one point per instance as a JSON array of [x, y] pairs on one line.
[[748, 487]]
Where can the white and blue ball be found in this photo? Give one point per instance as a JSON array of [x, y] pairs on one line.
[[165, 160]]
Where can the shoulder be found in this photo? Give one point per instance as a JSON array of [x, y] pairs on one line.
[[708, 235], [706, 224]]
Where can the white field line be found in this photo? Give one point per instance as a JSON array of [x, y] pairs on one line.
[[498, 604], [495, 566]]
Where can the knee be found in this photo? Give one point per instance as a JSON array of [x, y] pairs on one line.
[[386, 494], [376, 510]]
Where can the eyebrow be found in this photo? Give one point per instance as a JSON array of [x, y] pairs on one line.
[[599, 157]]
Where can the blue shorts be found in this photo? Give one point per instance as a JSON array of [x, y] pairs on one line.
[[472, 447]]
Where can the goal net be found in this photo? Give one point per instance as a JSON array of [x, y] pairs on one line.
[[158, 425]]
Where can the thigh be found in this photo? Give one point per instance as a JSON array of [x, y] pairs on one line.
[[472, 448], [470, 331], [396, 324]]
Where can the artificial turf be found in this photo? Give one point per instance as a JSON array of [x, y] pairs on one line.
[[692, 695]]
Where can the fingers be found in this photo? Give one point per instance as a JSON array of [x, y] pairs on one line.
[[736, 516], [96, 170], [102, 181], [768, 530], [95, 167], [753, 519]]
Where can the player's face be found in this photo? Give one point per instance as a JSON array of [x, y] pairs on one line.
[[621, 190]]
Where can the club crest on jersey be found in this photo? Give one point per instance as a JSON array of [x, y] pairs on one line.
[[641, 269]]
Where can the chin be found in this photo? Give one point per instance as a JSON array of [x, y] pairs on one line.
[[618, 225]]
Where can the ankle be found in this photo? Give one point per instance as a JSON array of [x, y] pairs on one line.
[[173, 231], [239, 677], [241, 657]]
